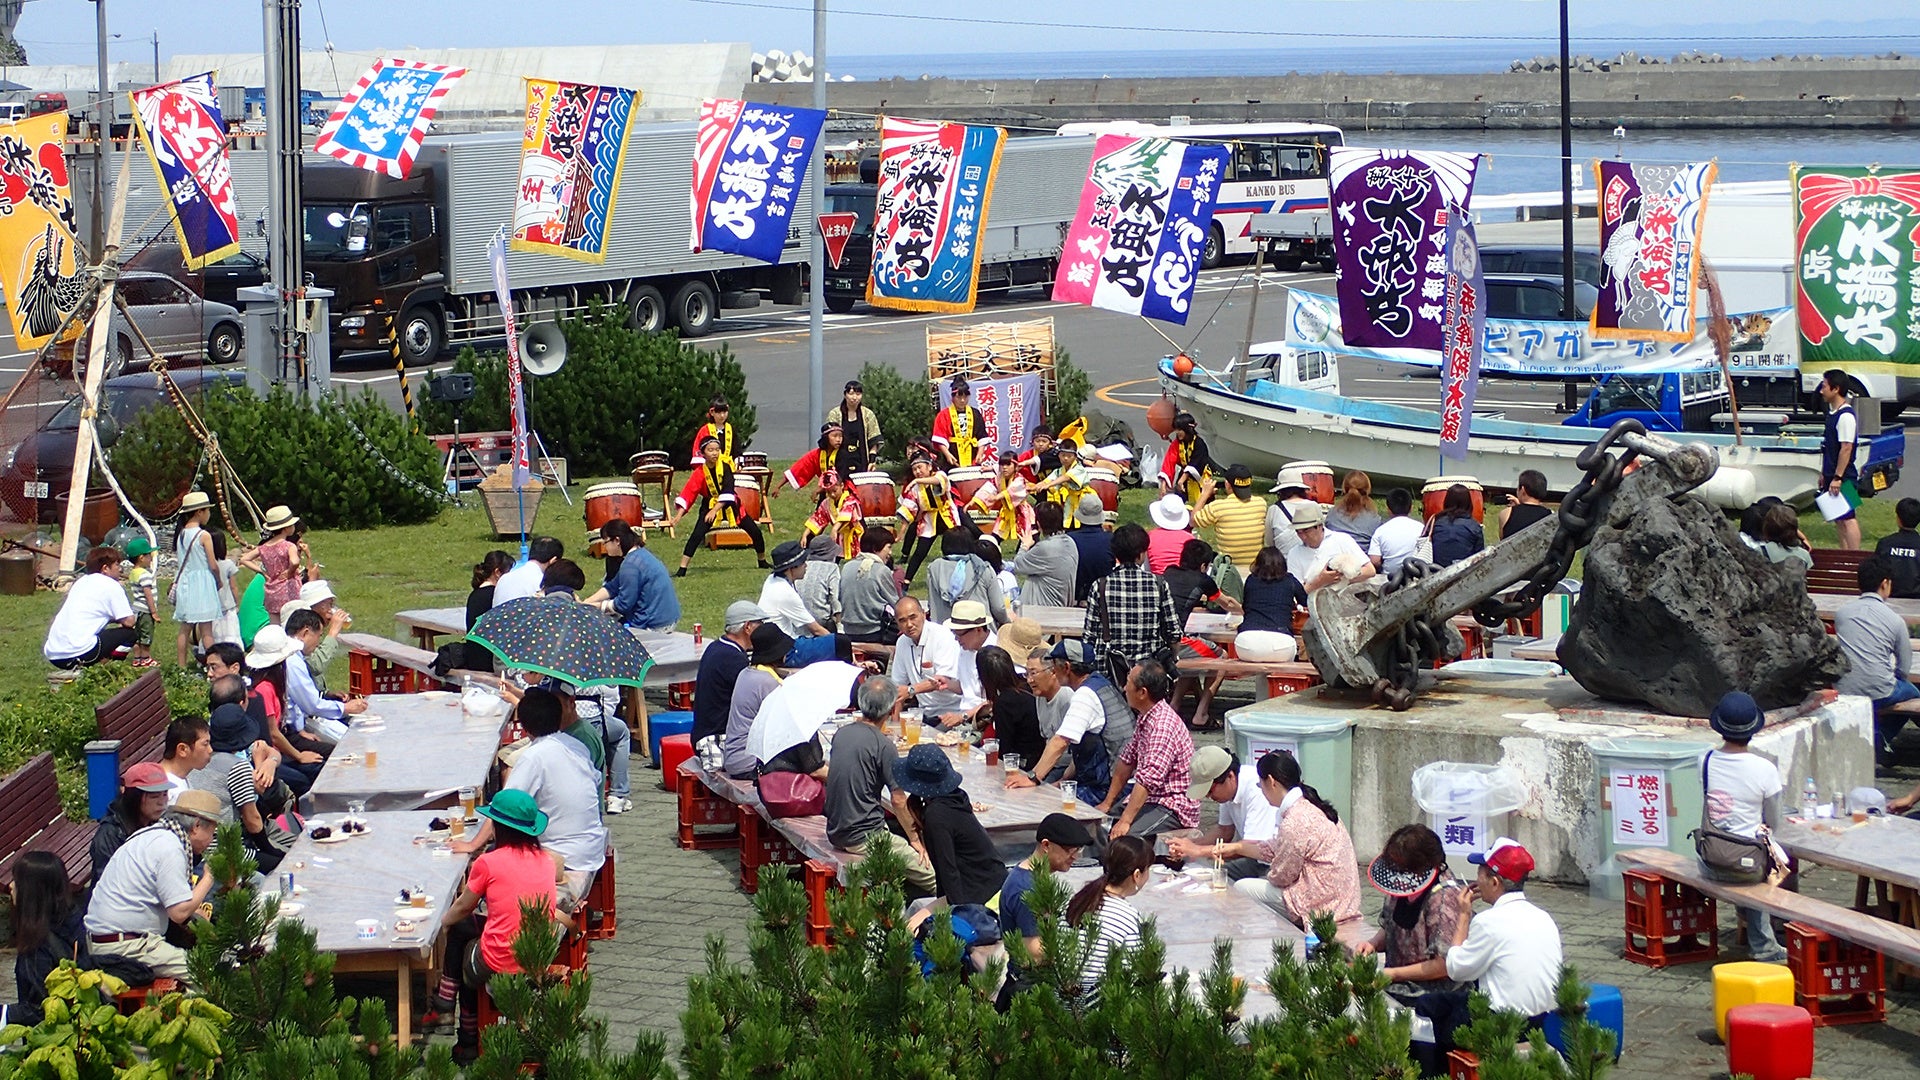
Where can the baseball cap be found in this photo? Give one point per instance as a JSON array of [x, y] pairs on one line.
[[1209, 764], [1239, 476], [145, 776], [1074, 651], [137, 547], [1062, 831], [742, 612], [1506, 858], [204, 805]]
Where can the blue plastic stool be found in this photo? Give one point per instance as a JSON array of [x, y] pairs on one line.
[[662, 724], [1606, 1009]]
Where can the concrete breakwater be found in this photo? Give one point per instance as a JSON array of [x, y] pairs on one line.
[[1834, 94]]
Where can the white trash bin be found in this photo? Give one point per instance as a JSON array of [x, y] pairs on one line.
[[1468, 805]]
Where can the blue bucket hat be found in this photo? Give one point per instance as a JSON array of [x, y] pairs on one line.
[[1737, 716]]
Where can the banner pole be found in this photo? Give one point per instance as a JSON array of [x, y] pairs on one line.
[[817, 265]]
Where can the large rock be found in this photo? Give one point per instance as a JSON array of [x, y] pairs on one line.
[[1674, 611]]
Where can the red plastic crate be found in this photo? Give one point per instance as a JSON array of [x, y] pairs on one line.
[[701, 807], [760, 844], [820, 879], [601, 919], [368, 674], [1666, 920], [680, 696], [1836, 981], [1463, 1065], [1279, 685]]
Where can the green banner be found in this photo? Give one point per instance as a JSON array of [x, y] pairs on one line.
[[1856, 231]]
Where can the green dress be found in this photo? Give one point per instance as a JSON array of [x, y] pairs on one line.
[[253, 609]]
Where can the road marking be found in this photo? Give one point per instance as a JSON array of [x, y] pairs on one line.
[[1105, 393]]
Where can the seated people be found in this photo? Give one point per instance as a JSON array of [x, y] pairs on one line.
[[720, 668], [780, 599], [1353, 513], [1156, 762], [1239, 524], [1048, 561], [1245, 815], [1084, 746], [640, 592], [1116, 922], [819, 584], [868, 590], [48, 927], [860, 768], [1130, 611], [518, 869], [965, 868], [769, 647], [1781, 540], [1193, 588], [1311, 867], [1057, 844], [95, 621], [1902, 550], [524, 580], [1526, 505], [926, 660], [1878, 651], [149, 885], [1009, 706], [1324, 557], [187, 746], [241, 773], [1271, 594], [972, 631], [1512, 949], [1395, 541], [565, 787], [143, 798], [306, 710], [1425, 914], [961, 574], [1172, 531], [1455, 534]]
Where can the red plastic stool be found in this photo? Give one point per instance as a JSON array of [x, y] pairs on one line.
[[1463, 1065], [1770, 1042], [674, 749], [680, 696]]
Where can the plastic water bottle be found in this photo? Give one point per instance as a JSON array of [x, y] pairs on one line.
[[1313, 943], [1810, 800]]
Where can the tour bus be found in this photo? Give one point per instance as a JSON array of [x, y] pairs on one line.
[[1276, 168]]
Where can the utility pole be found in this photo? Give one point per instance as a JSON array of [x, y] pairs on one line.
[[284, 232], [103, 110], [817, 265], [156, 56], [1569, 309]]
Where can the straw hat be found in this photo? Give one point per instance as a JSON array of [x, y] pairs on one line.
[[1020, 637], [193, 802], [279, 517], [1309, 516], [968, 615], [195, 500]]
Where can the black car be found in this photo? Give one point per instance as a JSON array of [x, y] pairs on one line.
[[1531, 296], [40, 469], [1540, 260], [221, 281]]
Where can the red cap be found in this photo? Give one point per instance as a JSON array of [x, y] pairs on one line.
[[145, 776], [1506, 858]]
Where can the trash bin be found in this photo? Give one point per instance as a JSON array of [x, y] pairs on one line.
[[1649, 796], [1468, 806], [1323, 745]]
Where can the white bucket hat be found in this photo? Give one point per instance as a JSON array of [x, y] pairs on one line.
[[1169, 511], [271, 646]]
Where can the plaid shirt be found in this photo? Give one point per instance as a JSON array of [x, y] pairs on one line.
[[1129, 618], [1161, 753]]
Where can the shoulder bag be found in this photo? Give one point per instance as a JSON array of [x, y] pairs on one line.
[[1729, 857], [792, 794]]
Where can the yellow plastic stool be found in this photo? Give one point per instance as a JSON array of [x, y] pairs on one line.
[[1748, 983]]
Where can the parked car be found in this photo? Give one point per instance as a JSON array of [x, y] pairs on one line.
[[217, 281], [40, 469], [1530, 296], [176, 322], [1540, 260]]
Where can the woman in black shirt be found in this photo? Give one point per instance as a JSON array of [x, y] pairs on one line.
[[1015, 715], [966, 869], [1526, 505], [1455, 534], [1193, 588], [486, 573], [1271, 595]]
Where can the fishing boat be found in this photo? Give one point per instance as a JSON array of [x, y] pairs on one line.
[[1290, 409]]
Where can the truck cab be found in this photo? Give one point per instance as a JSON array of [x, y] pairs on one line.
[[374, 241], [847, 282]]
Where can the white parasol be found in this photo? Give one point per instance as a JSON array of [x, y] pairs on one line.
[[797, 707]]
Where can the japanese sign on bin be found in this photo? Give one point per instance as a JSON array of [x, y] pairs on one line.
[[1637, 807]]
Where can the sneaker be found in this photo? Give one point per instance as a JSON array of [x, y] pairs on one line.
[[1779, 957], [144, 662], [618, 805]]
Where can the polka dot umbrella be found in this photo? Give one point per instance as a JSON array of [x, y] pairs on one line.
[[563, 638]]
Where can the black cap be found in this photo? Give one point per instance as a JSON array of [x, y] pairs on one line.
[[1062, 831], [1238, 475]]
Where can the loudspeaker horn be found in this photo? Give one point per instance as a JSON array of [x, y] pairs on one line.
[[543, 348]]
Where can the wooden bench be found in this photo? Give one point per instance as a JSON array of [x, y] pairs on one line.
[[1811, 923], [32, 819], [378, 665], [138, 717], [1836, 571], [1282, 678]]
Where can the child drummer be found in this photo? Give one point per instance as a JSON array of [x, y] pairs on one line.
[[816, 462], [1066, 484], [838, 510], [711, 487]]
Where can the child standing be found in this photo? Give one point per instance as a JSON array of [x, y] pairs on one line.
[[227, 626], [140, 579]]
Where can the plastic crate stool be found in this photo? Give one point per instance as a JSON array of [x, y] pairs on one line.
[[680, 695], [1836, 981], [1658, 910], [1770, 1042], [699, 806], [1746, 982], [599, 903], [760, 844], [1605, 1009], [368, 674], [674, 749], [1463, 1065], [134, 998], [821, 879]]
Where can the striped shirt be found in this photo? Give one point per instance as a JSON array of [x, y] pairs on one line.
[[1239, 526], [1116, 923]]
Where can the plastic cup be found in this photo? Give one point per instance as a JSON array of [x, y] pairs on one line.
[[418, 897], [966, 750], [1009, 764], [373, 756], [910, 728], [1069, 795], [991, 748], [468, 798], [1860, 815], [456, 828], [356, 809], [367, 929]]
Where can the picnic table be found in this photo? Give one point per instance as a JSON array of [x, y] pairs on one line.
[[675, 657], [1013, 814], [1884, 849], [428, 750], [1825, 604], [340, 884], [1072, 621]]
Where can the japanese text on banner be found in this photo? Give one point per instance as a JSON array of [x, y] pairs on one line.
[[516, 401], [1651, 218], [1390, 213], [1637, 802], [571, 151], [936, 181], [1858, 279], [748, 163], [1137, 239], [1465, 324], [380, 123], [186, 139], [1011, 407], [39, 257]]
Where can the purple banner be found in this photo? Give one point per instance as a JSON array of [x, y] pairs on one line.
[[1466, 323], [1390, 214]]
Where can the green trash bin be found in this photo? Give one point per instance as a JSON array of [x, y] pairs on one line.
[[1323, 744], [1648, 794]]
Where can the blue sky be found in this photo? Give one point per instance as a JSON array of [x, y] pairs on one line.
[[62, 31]]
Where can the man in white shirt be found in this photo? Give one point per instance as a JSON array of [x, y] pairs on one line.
[[1070, 673], [1323, 554], [926, 659], [780, 599], [95, 621], [973, 630], [188, 749], [148, 885], [1246, 818], [524, 580], [565, 786], [1282, 533], [306, 708], [1743, 793], [1513, 948], [1397, 537]]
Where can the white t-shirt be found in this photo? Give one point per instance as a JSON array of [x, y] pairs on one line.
[[566, 787], [1303, 562], [1846, 428], [1250, 814], [518, 583], [971, 696], [937, 653], [92, 602], [144, 878], [1085, 713], [784, 608], [1737, 786], [1393, 541]]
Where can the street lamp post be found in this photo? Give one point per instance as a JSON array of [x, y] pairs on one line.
[[1569, 309], [103, 130]]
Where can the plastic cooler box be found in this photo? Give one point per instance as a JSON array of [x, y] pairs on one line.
[[1674, 799], [662, 724], [1323, 745]]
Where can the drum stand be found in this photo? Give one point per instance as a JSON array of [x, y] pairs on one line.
[[544, 468]]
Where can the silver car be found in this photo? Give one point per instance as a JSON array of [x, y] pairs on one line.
[[175, 321]]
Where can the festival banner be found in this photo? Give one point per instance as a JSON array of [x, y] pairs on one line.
[[1466, 324], [575, 137], [1136, 242], [186, 138], [1650, 233], [748, 161], [1763, 344], [1012, 406], [1389, 232], [39, 258], [1855, 232], [380, 123], [516, 396], [935, 182]]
